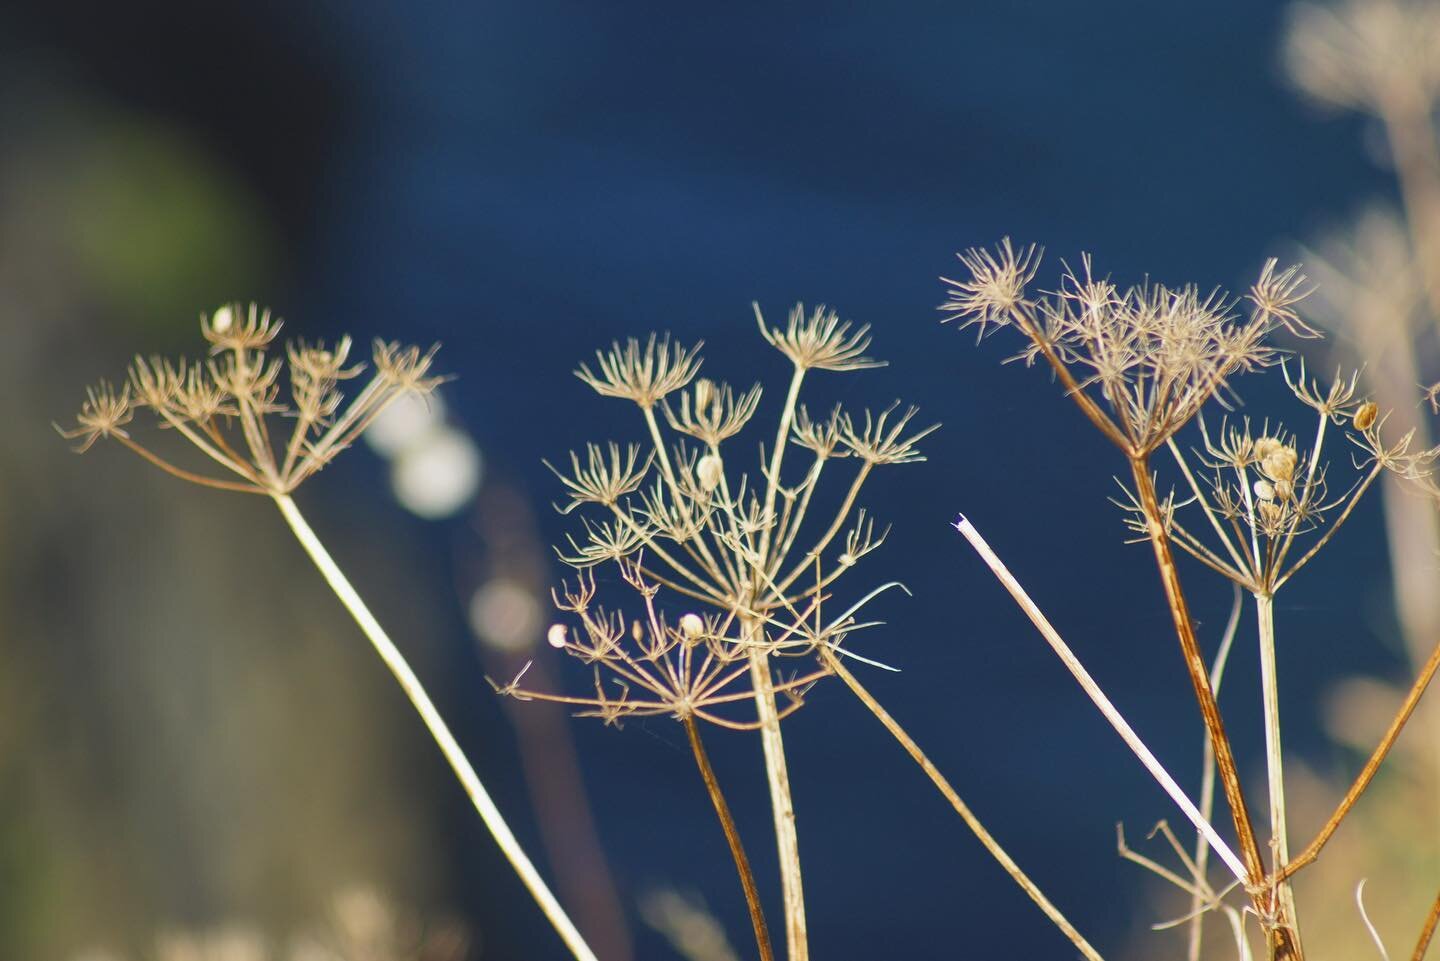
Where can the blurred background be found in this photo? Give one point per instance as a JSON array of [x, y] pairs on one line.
[[197, 746]]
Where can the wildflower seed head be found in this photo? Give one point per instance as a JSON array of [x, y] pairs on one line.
[[822, 437], [606, 474], [103, 413], [227, 331], [406, 369], [819, 340], [711, 412], [644, 374], [880, 440], [1275, 295], [995, 284]]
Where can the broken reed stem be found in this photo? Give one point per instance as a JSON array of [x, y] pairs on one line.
[[1427, 931], [968, 816], [1092, 689], [413, 689], [1367, 774], [1274, 764], [732, 837]]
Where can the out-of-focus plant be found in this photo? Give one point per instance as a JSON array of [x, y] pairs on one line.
[[231, 409]]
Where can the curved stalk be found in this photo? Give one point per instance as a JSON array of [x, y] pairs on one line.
[[413, 689], [732, 836]]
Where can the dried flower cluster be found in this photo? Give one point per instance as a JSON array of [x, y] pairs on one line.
[[674, 515], [1151, 354], [230, 405]]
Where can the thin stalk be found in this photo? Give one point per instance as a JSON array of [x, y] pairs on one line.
[[413, 689], [1367, 774], [732, 836], [1282, 945], [1427, 932], [1207, 776], [777, 776], [1274, 764], [1116, 719], [968, 816]]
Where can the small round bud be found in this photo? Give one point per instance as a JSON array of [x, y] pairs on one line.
[[704, 393], [636, 631], [691, 626], [1366, 414], [557, 636], [1264, 490], [709, 471], [1284, 490], [846, 559], [222, 320]]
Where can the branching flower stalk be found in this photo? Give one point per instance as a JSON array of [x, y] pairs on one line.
[[229, 407], [1140, 364], [676, 516]]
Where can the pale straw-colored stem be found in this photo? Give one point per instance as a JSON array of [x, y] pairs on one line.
[[1274, 765], [1096, 695], [961, 808], [413, 689]]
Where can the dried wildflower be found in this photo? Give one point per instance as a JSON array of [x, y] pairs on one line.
[[819, 341], [1140, 363], [1365, 54], [229, 407], [879, 442], [716, 414], [103, 414], [642, 374], [606, 475]]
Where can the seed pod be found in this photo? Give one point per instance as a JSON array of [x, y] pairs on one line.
[[704, 393], [557, 636], [1264, 490], [691, 626], [1366, 414], [709, 471]]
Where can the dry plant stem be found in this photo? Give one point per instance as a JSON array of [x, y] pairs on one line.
[[1412, 143], [413, 689], [1116, 719], [1283, 945], [1207, 777], [1274, 765], [968, 816], [1427, 931], [1367, 774], [777, 774], [732, 836]]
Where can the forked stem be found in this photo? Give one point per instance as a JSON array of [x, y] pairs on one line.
[[413, 689], [732, 837], [966, 815]]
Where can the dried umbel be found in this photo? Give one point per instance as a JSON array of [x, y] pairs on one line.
[[723, 560], [1140, 362], [233, 408]]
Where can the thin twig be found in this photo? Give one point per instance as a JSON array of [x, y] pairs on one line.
[[968, 816], [1367, 774], [1427, 931], [732, 837]]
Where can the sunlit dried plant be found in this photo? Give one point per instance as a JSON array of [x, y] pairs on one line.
[[259, 438], [685, 524], [1141, 364]]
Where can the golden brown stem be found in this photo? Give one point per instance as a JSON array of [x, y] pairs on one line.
[[961, 808], [732, 836], [1282, 944], [1367, 774], [1427, 931]]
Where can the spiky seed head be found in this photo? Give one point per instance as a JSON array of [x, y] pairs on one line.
[[643, 374], [995, 285], [819, 340]]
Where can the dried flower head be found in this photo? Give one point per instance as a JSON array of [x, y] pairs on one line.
[[698, 529], [230, 409], [1139, 362], [1365, 54]]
